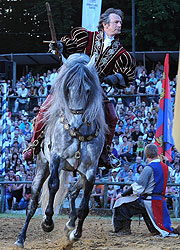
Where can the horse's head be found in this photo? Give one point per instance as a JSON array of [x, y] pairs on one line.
[[77, 89]]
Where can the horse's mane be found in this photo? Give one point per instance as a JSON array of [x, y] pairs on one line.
[[75, 72]]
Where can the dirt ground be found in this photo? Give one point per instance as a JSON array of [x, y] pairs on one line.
[[97, 234]]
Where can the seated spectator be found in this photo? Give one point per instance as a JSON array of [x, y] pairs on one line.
[[139, 69], [127, 132], [124, 172], [140, 147], [176, 160], [171, 193], [17, 191], [143, 77], [32, 101], [138, 162], [159, 69], [26, 194], [27, 130], [117, 143], [8, 191], [17, 165], [20, 103], [145, 128], [114, 178], [53, 76], [139, 171], [30, 82], [142, 91], [14, 160], [131, 177], [150, 90], [111, 196], [7, 164], [135, 135], [134, 123], [176, 172], [21, 171], [159, 86], [114, 157], [129, 91], [125, 150], [97, 196], [153, 78], [23, 123], [42, 93], [11, 101]]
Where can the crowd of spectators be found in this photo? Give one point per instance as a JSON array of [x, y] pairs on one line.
[[136, 127]]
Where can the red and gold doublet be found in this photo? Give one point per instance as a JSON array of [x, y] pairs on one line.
[[114, 59]]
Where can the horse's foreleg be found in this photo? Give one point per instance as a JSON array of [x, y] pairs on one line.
[[53, 185], [82, 211], [73, 194], [41, 175]]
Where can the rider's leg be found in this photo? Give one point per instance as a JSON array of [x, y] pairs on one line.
[[28, 154], [111, 119]]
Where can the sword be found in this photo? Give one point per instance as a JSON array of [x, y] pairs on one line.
[[58, 47], [51, 25]]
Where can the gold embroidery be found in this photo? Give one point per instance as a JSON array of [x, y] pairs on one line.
[[104, 59]]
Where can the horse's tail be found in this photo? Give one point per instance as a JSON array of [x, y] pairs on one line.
[[60, 195]]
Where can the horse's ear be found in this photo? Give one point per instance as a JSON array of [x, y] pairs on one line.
[[91, 62]]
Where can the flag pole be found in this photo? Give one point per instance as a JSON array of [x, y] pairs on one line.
[[163, 137], [4, 127], [176, 125]]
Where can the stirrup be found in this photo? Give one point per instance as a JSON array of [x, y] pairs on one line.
[[34, 147], [29, 150]]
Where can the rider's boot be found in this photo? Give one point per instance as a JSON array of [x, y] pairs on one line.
[[111, 119], [38, 135]]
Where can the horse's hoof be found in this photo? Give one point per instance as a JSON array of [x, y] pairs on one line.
[[72, 236], [68, 227], [47, 228], [19, 244]]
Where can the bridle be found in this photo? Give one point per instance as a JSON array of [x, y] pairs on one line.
[[77, 111], [75, 133]]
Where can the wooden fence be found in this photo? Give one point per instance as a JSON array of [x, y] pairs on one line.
[[106, 184]]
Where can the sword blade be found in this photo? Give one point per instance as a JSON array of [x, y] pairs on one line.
[[51, 23]]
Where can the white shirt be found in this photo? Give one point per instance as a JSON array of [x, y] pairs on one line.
[[53, 77], [22, 93], [107, 41]]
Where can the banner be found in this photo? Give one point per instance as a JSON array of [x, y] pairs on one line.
[[176, 126], [163, 137], [91, 12]]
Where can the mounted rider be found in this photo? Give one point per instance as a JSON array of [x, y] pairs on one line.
[[115, 66]]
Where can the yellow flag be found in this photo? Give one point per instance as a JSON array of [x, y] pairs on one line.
[[176, 126]]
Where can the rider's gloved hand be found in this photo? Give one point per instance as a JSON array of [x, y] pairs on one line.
[[115, 81], [56, 48]]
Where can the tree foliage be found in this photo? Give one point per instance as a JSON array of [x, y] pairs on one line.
[[157, 24], [24, 24]]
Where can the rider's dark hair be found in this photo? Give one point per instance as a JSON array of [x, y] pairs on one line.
[[105, 17]]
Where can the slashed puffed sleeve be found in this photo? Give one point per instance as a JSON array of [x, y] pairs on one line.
[[76, 42]]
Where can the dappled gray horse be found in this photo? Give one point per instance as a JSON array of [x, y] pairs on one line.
[[74, 139]]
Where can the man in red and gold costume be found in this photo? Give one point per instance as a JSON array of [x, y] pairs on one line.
[[115, 66]]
